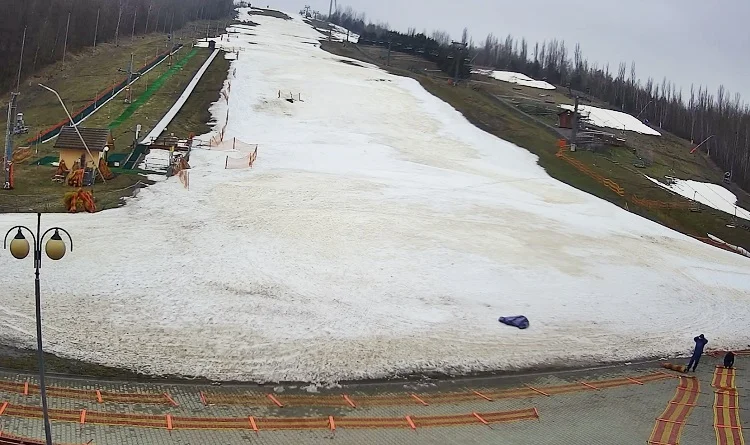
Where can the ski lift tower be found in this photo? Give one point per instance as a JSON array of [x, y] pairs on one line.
[[7, 163], [129, 71], [458, 49]]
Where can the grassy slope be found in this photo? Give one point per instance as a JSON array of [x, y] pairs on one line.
[[478, 104], [84, 76]]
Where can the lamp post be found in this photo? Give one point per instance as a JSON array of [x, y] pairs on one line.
[[55, 250]]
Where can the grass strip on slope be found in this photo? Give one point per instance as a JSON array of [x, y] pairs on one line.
[[153, 88]]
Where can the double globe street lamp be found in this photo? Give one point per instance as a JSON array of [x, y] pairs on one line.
[[55, 249]]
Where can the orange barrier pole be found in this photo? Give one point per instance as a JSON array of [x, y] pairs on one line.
[[536, 413], [26, 388], [681, 422], [331, 423], [590, 386], [682, 404], [419, 400], [98, 396], [480, 418], [349, 401], [536, 390], [83, 416], [252, 424], [169, 422], [2, 408], [270, 396], [482, 396], [203, 398], [634, 381], [170, 399], [411, 423]]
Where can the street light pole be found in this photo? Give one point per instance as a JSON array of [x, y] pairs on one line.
[[55, 250]]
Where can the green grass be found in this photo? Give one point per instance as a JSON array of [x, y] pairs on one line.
[[194, 115], [152, 98], [670, 155], [151, 90], [87, 74]]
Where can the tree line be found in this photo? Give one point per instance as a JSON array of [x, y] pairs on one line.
[[436, 47], [722, 118], [55, 26]]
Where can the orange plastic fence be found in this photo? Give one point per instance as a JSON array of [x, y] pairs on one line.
[[171, 422], [88, 394], [351, 401], [610, 184]]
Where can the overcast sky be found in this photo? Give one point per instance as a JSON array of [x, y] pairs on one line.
[[688, 41]]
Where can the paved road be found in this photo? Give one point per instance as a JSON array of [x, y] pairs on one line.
[[622, 414]]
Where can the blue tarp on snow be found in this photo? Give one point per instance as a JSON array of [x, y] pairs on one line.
[[518, 321]]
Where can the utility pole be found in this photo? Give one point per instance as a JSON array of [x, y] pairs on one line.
[[132, 33], [65, 47], [330, 25], [96, 29]]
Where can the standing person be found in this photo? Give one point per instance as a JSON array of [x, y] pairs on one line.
[[700, 343]]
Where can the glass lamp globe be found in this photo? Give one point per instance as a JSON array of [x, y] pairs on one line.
[[19, 247], [55, 247]]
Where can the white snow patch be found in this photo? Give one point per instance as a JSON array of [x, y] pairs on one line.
[[712, 195], [737, 249], [312, 388], [517, 78], [602, 117], [379, 233]]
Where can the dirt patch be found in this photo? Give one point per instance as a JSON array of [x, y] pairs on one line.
[[269, 13], [349, 62]]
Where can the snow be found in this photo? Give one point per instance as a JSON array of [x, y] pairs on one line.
[[378, 233], [517, 78], [712, 195], [602, 117], [737, 249]]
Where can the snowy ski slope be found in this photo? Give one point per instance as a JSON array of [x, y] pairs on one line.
[[378, 233]]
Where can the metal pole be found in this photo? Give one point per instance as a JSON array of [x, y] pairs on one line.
[[132, 33], [330, 24], [96, 29], [9, 141], [40, 352], [574, 135], [75, 127], [65, 47], [20, 63]]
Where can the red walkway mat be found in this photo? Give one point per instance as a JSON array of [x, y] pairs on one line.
[[727, 422], [670, 423]]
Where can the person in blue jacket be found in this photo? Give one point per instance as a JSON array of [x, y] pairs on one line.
[[700, 343]]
